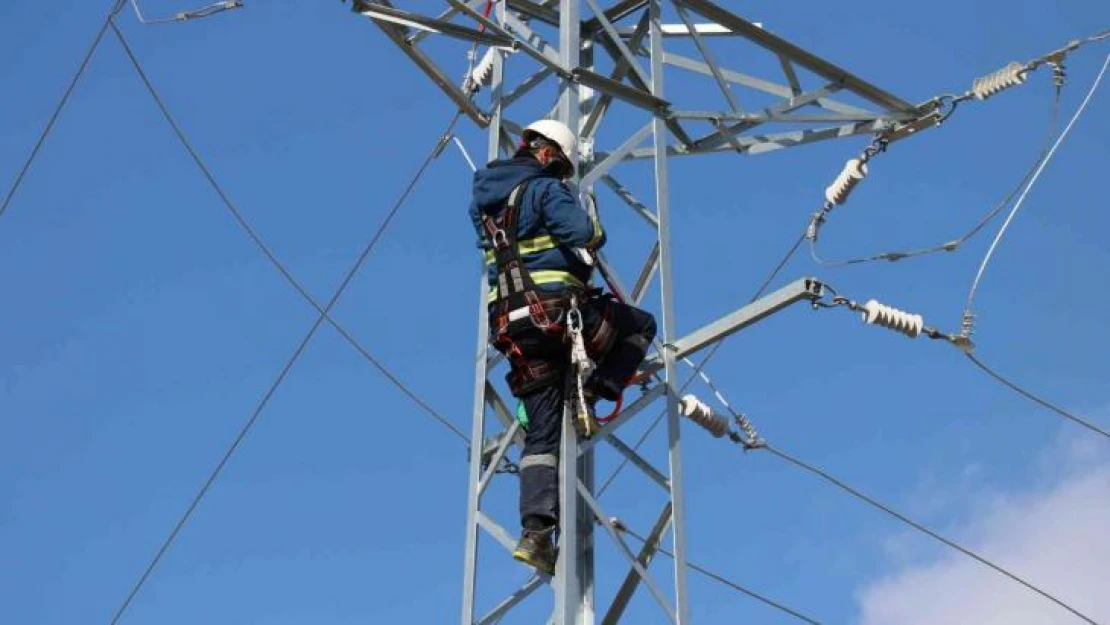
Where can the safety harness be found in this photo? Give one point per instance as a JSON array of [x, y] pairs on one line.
[[528, 324]]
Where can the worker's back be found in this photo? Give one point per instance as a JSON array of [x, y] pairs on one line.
[[550, 221]]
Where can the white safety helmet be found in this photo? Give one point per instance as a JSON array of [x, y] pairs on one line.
[[556, 132]]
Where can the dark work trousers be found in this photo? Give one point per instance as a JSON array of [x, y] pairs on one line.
[[539, 472]]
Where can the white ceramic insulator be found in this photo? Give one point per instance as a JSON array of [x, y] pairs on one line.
[[854, 171], [1010, 76], [483, 71], [697, 411], [877, 314]]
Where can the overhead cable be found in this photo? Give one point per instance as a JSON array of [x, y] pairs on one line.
[[278, 264], [913, 325], [621, 527], [116, 7], [954, 244], [1043, 402], [919, 527], [323, 315], [982, 88], [700, 367], [746, 436], [968, 321]]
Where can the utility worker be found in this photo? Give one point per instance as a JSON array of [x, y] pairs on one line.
[[533, 229]]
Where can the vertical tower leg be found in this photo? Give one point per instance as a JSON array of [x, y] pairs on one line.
[[574, 587], [481, 372], [666, 283], [477, 432], [568, 583]]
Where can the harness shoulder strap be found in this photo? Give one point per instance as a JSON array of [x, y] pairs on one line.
[[512, 277]]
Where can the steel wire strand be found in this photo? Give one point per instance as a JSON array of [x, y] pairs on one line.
[[954, 244], [277, 263], [249, 424], [1040, 169], [116, 7], [919, 527], [1028, 395], [701, 366], [725, 581]]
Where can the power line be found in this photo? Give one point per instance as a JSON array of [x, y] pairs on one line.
[[701, 365], [759, 293], [954, 244], [721, 579], [216, 471], [919, 527], [288, 365], [968, 310], [272, 257], [116, 7], [760, 444], [1053, 407]]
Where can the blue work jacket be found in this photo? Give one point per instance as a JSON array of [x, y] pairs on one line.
[[550, 223]]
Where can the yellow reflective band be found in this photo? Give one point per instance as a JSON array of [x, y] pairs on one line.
[[547, 277], [538, 244], [529, 246], [598, 232]]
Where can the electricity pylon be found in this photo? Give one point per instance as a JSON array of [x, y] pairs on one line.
[[602, 60]]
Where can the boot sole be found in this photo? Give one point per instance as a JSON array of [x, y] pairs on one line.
[[539, 565]]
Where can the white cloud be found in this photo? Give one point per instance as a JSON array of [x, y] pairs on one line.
[[1055, 535]]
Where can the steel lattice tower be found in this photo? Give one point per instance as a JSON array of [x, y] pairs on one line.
[[562, 42]]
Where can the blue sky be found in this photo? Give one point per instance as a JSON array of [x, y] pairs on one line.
[[139, 327]]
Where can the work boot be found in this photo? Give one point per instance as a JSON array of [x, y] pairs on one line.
[[536, 550], [586, 425]]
